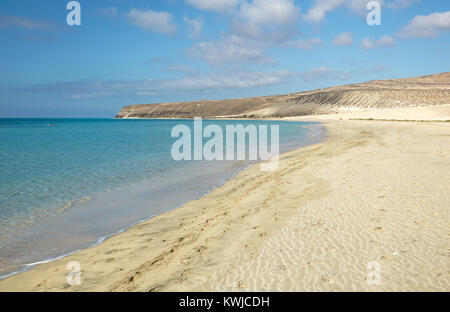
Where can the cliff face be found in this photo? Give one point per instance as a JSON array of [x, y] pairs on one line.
[[201, 108], [411, 92]]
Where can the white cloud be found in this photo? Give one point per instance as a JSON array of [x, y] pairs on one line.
[[279, 12], [146, 93], [255, 26], [230, 48], [93, 89], [368, 44], [227, 80], [196, 82], [195, 27], [386, 41], [158, 22], [400, 4], [269, 21], [82, 96], [359, 6], [426, 26], [343, 39], [320, 8], [307, 45], [267, 34], [214, 5]]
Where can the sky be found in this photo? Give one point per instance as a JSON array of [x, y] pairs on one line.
[[152, 51]]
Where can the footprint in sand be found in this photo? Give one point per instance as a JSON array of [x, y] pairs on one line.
[[327, 279]]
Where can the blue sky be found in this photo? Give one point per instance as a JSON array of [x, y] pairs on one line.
[[149, 51]]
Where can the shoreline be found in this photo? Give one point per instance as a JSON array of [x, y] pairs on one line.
[[220, 181], [214, 242], [29, 266]]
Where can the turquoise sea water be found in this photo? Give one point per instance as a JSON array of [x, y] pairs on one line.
[[67, 183]]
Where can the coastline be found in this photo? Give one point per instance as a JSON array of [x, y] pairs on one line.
[[145, 199], [320, 209]]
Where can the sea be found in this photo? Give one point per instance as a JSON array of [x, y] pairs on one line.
[[68, 184]]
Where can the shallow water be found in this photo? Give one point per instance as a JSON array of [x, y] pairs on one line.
[[66, 184]]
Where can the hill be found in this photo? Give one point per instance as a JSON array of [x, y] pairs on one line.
[[372, 95]]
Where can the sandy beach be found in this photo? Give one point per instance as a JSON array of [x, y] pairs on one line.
[[225, 154], [374, 191]]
